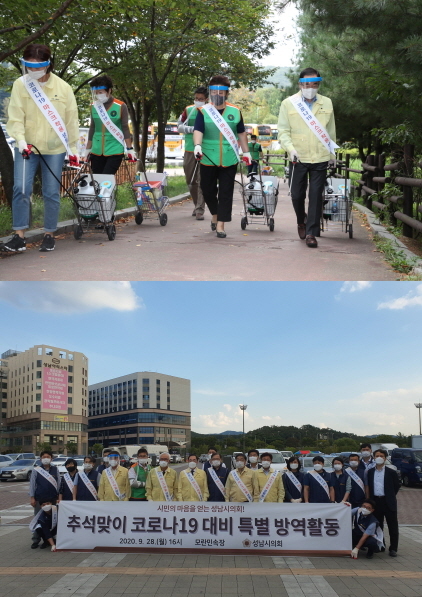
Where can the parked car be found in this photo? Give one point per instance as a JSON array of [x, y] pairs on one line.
[[125, 461], [19, 470], [286, 453], [22, 456], [409, 462], [308, 465], [203, 458], [177, 458], [5, 460], [62, 468]]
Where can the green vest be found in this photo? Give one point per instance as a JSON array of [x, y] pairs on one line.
[[254, 150], [103, 142], [141, 475], [191, 112], [217, 151]]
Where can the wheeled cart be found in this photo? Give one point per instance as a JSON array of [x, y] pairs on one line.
[[337, 206], [260, 196], [151, 199]]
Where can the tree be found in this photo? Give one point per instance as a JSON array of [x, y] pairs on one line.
[[98, 449], [385, 439], [346, 444], [71, 448], [44, 446]]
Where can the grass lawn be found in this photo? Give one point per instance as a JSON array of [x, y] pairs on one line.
[[124, 198]]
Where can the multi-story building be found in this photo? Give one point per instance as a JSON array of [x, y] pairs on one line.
[[44, 399], [140, 408]]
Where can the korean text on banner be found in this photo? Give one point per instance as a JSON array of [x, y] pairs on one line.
[[54, 393], [244, 527]]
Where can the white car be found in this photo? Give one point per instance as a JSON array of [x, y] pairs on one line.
[[59, 462], [278, 462]]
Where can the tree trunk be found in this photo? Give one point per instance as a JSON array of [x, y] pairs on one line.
[[146, 112], [6, 167], [161, 128], [362, 156]]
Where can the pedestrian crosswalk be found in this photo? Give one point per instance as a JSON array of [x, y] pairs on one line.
[[15, 513]]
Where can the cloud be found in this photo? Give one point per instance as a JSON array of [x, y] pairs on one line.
[[228, 407], [221, 421], [70, 297], [355, 286], [411, 299]]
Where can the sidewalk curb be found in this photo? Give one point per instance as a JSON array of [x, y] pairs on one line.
[[36, 235], [379, 230]]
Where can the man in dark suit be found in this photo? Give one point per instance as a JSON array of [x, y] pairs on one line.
[[382, 485]]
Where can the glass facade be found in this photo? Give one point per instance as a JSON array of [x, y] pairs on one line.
[[128, 418]]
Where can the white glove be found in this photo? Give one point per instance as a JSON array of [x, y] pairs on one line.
[[332, 163], [198, 152], [132, 156], [293, 156], [53, 548], [23, 146], [247, 158], [354, 553]]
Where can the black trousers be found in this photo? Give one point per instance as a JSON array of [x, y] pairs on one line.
[[370, 543], [300, 174], [383, 511], [106, 164], [253, 167], [217, 185]]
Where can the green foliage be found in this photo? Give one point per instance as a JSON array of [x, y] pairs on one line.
[[346, 444], [71, 448], [395, 257], [43, 446], [97, 449]]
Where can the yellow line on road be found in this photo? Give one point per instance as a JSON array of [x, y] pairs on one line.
[[43, 570]]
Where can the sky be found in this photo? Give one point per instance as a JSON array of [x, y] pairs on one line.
[[286, 36], [340, 355]]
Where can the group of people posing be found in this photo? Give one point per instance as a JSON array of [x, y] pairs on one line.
[[43, 119], [366, 485]]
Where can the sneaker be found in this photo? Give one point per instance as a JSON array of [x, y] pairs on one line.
[[48, 243], [15, 245]]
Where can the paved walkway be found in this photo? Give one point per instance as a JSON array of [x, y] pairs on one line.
[[35, 573], [186, 249]]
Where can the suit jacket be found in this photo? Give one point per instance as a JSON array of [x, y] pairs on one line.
[[391, 486]]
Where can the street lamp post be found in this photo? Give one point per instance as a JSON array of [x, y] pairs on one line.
[[419, 406], [243, 407]]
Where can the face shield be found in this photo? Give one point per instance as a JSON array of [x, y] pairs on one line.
[[218, 95], [99, 94], [309, 86], [36, 70]]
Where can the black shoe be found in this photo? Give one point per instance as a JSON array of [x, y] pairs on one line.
[[221, 234], [392, 553], [44, 545], [35, 544], [15, 245], [370, 554], [213, 226], [48, 243]]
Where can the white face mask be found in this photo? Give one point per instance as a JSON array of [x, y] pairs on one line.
[[37, 74], [199, 104], [240, 464], [337, 467], [216, 463], [309, 93], [163, 463], [46, 461], [87, 466], [192, 465], [102, 97], [105, 459], [365, 454], [47, 507], [143, 460], [354, 464], [365, 511], [266, 463], [113, 462], [317, 467], [294, 466], [253, 459], [379, 460]]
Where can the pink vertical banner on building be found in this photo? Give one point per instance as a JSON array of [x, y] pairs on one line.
[[54, 394]]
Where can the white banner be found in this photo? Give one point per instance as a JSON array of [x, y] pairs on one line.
[[242, 527]]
